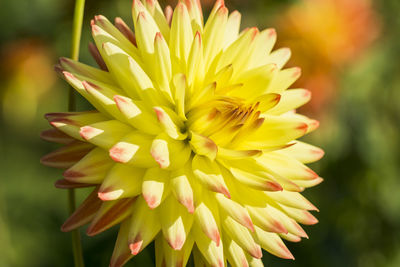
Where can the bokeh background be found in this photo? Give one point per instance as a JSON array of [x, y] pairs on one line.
[[349, 51]]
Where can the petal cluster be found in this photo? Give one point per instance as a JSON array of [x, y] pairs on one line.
[[192, 143]]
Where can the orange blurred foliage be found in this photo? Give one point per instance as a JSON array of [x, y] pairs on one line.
[[324, 36], [26, 76]]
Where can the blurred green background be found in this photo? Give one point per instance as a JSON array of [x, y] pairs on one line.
[[356, 88]]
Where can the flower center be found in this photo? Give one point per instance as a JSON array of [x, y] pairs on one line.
[[224, 119]]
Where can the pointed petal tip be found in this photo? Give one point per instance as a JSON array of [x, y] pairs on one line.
[[296, 72], [88, 132], [136, 247], [109, 194], [302, 127], [151, 200], [273, 186], [278, 227], [249, 224], [223, 190], [313, 174], [216, 237], [271, 32], [177, 242], [256, 252], [286, 252], [188, 203]]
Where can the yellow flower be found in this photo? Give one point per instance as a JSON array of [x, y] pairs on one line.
[[192, 141]]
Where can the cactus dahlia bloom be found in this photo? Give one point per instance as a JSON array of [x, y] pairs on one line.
[[191, 142]]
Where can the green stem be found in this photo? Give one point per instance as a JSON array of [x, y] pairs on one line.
[[75, 45]]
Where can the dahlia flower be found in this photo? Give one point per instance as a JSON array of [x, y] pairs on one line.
[[192, 140]]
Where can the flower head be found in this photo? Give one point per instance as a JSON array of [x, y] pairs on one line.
[[192, 140]]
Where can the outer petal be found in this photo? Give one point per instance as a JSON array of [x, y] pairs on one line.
[[176, 222], [144, 226], [209, 175], [122, 181], [84, 213], [91, 169], [110, 214]]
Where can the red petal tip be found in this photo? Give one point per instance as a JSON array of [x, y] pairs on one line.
[[151, 201], [178, 243], [257, 253], [287, 254], [249, 224], [216, 237], [271, 33], [296, 72], [135, 247]]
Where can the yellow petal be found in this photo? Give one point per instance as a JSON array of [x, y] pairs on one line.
[[170, 122], [181, 37], [116, 36], [276, 131], [283, 79], [209, 174], [163, 73], [232, 28], [299, 215], [91, 169], [122, 181], [196, 14], [194, 68], [265, 221], [173, 257], [279, 57], [272, 243], [104, 96], [75, 67], [290, 99], [234, 253], [157, 13], [206, 222], [104, 134], [305, 153], [133, 149], [144, 226], [121, 253], [137, 115], [238, 53], [235, 211], [180, 86], [213, 254], [70, 123], [101, 36], [176, 222], [241, 236], [154, 187], [287, 167], [291, 199], [169, 153], [213, 35], [264, 43], [203, 146], [182, 189]]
